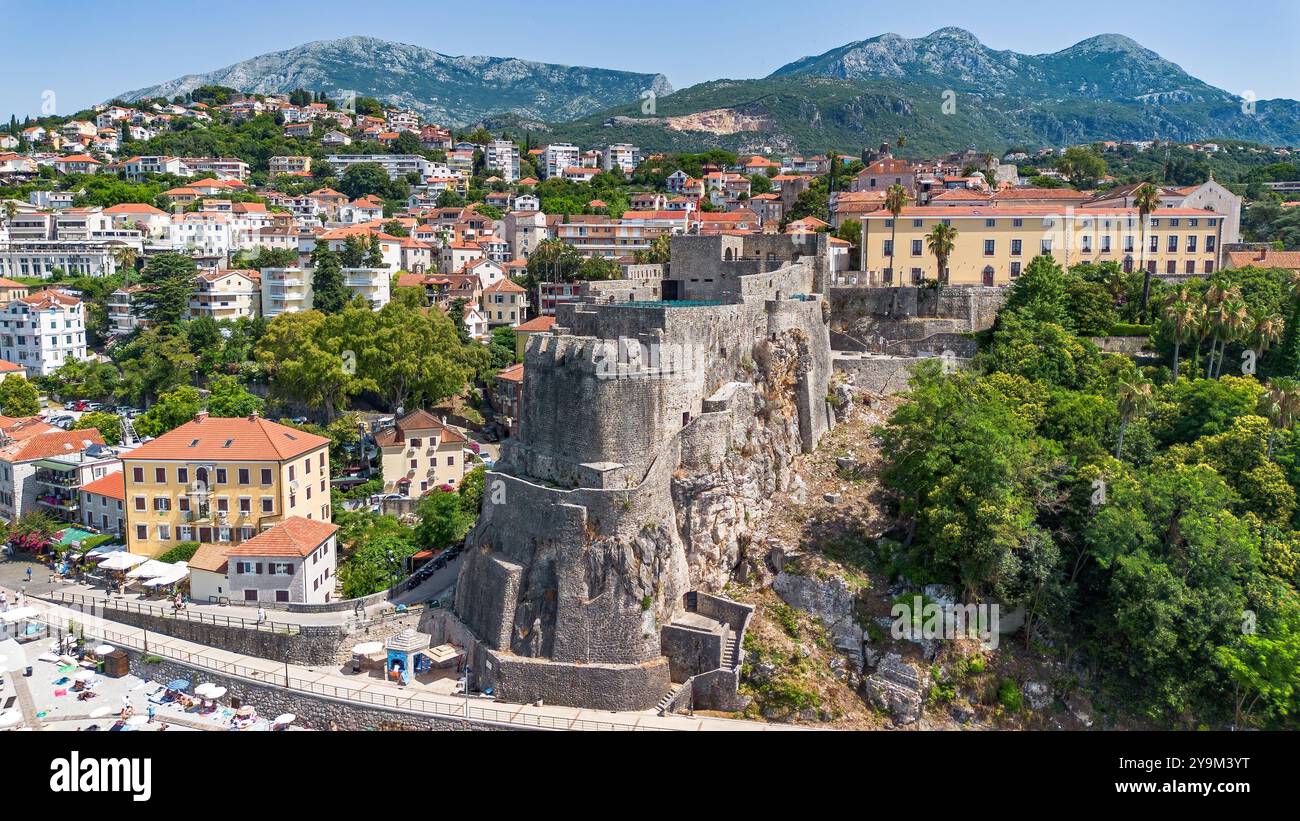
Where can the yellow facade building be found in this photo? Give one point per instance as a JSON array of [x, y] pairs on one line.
[[994, 244], [222, 481]]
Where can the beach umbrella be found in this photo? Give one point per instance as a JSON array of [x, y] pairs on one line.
[[202, 689], [215, 693], [10, 718], [104, 649], [246, 710], [178, 684], [285, 718], [100, 712]]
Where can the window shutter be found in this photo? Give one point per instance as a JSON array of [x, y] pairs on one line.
[[259, 568]]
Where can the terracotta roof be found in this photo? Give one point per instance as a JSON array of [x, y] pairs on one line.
[[415, 421], [540, 324], [113, 486], [1041, 194], [51, 443], [512, 373], [242, 439], [295, 536], [133, 208], [963, 194], [43, 300], [9, 367], [25, 427], [211, 557], [1037, 211], [505, 286], [9, 283], [1264, 259]]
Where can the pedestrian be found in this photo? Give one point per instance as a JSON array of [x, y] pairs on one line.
[[29, 575], [261, 614], [4, 600], [149, 712]]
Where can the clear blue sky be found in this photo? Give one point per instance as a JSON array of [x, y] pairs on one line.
[[86, 52]]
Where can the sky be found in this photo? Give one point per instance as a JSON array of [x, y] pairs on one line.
[[86, 52]]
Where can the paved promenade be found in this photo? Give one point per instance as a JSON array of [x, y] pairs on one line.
[[333, 683]]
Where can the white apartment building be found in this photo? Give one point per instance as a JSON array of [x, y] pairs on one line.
[[123, 314], [25, 258], [372, 284], [289, 165], [285, 291], [226, 294], [560, 156], [225, 168], [42, 331], [503, 155], [135, 168], [621, 155], [206, 233], [397, 165]]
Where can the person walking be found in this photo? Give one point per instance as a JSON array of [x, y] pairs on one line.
[[261, 614], [29, 575]]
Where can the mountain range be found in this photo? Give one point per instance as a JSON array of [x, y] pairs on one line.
[[457, 91], [945, 91]]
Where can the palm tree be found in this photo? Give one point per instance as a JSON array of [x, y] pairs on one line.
[[1135, 399], [895, 202], [1263, 332], [1182, 317], [941, 240], [124, 257], [1234, 319], [11, 211], [1215, 320], [1280, 406], [1147, 199]]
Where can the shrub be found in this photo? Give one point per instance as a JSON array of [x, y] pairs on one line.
[[1127, 329], [1009, 695], [182, 552]]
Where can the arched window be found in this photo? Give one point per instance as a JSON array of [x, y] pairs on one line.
[[1128, 265], [988, 275], [727, 255]]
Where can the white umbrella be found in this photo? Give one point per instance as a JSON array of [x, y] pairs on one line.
[[150, 569], [100, 712], [215, 693], [10, 718], [202, 689], [104, 649], [122, 561], [285, 718], [365, 648], [17, 614]]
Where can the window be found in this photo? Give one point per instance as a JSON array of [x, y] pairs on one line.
[[1016, 247], [223, 505], [1210, 243], [250, 595], [282, 595], [1105, 244], [1209, 267], [183, 503], [1191, 266], [142, 532], [137, 474], [268, 504], [1015, 270], [1171, 267], [183, 475], [245, 504], [243, 476], [990, 247], [990, 223], [888, 248], [162, 503], [164, 533], [415, 463], [1047, 247], [1017, 223], [1191, 244], [1087, 244], [266, 476], [281, 568], [1155, 243], [918, 223], [160, 475], [291, 475], [221, 476], [1129, 246], [415, 442], [1173, 244], [917, 248], [139, 503]]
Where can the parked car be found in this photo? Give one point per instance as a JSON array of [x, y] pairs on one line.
[[129, 413], [299, 420], [62, 421], [94, 407], [71, 404]]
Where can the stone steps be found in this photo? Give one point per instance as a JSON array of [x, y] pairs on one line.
[[662, 706]]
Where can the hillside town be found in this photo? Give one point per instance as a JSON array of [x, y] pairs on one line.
[[284, 381]]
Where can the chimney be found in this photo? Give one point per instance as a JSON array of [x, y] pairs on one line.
[[200, 416], [1263, 254], [252, 417]]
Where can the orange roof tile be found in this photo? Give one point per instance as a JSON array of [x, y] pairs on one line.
[[51, 443], [242, 439], [540, 324], [295, 536], [113, 486]]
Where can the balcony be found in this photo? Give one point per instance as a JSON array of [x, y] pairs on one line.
[[57, 479]]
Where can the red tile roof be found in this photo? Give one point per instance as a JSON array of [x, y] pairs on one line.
[[296, 537], [113, 486], [540, 324], [243, 439], [50, 443]]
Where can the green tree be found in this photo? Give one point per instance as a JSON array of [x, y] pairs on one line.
[[895, 202], [940, 241], [172, 410], [169, 284], [443, 521], [1147, 199], [328, 292], [229, 399], [1135, 399], [19, 397], [109, 425]]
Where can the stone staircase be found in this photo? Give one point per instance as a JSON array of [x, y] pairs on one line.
[[729, 650], [662, 706]]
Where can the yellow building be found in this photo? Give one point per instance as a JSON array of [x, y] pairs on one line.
[[504, 303], [994, 244], [537, 325], [222, 481], [420, 453]]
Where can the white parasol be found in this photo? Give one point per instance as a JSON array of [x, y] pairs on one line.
[[214, 693], [202, 689], [104, 649], [285, 718], [365, 648]]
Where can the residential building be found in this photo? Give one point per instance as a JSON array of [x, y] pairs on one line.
[[60, 477], [396, 165], [222, 481], [558, 157], [289, 165], [503, 155], [537, 325], [103, 503], [621, 155], [507, 396], [994, 244], [25, 444], [285, 291], [419, 454], [371, 284], [124, 311], [504, 303], [42, 331], [226, 294], [293, 561]]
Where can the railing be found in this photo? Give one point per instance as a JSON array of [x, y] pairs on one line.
[[454, 709], [92, 603]]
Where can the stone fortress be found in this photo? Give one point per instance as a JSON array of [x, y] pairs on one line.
[[652, 434]]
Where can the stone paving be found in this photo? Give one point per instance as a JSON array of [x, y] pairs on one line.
[[365, 690]]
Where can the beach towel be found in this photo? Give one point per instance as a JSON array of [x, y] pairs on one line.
[[60, 692]]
